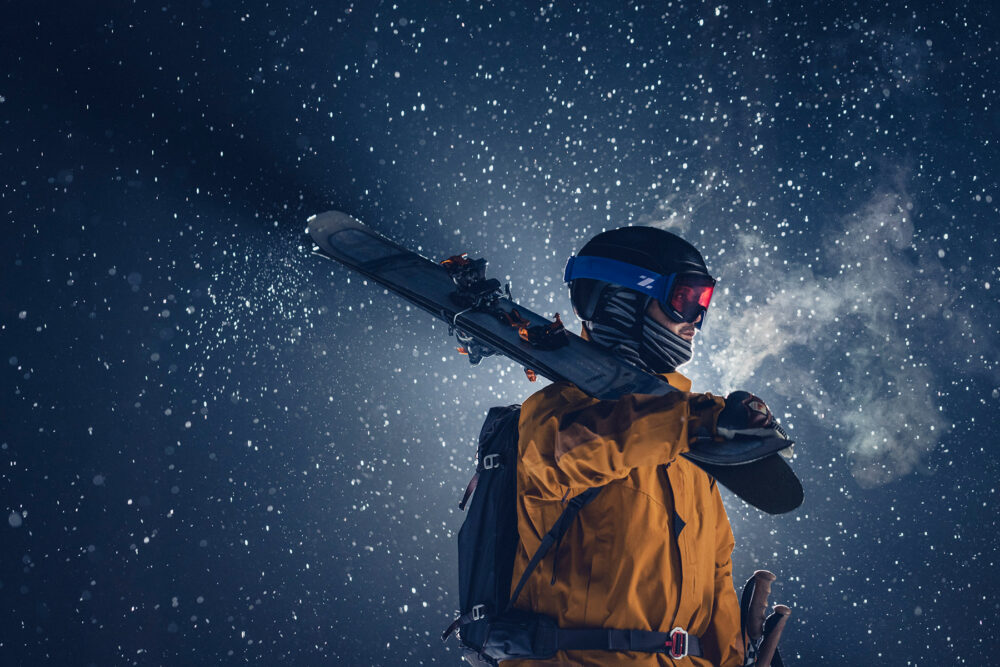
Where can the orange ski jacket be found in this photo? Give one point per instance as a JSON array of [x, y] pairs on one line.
[[653, 550]]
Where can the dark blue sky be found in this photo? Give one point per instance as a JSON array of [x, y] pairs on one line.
[[215, 448]]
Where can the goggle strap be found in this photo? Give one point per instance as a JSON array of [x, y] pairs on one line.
[[626, 275], [619, 273]]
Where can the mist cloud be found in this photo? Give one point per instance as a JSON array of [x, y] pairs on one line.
[[846, 335]]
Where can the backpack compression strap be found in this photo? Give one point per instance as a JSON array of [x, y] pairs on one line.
[[677, 643], [554, 536]]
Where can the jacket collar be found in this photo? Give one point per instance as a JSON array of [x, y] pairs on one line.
[[677, 380]]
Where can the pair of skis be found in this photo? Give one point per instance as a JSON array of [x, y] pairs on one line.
[[484, 318]]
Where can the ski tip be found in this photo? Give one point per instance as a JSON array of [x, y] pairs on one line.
[[322, 225], [769, 484]]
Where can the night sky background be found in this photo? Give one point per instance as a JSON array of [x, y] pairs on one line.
[[216, 448]]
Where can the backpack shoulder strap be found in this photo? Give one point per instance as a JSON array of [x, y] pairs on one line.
[[554, 536]]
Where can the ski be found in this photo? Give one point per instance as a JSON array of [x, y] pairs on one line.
[[482, 315]]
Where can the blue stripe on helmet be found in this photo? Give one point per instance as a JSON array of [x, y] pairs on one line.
[[618, 273]]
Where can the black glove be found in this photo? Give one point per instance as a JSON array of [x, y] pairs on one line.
[[747, 415]]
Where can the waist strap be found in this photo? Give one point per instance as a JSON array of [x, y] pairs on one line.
[[523, 635], [676, 644]]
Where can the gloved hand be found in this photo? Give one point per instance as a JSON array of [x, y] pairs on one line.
[[747, 415]]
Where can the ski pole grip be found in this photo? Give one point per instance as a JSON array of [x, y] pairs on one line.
[[774, 627], [758, 603]]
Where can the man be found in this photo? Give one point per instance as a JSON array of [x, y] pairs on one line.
[[652, 550]]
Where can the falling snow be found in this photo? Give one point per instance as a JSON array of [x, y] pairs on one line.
[[217, 448]]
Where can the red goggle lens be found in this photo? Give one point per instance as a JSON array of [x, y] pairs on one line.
[[691, 297]]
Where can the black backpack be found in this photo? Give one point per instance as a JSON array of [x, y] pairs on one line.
[[488, 628]]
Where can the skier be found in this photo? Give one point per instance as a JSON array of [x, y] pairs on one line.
[[652, 550]]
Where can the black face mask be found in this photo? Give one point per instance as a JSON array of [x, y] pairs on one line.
[[662, 349], [621, 324]]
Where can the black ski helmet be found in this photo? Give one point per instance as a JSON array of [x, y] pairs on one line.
[[649, 248]]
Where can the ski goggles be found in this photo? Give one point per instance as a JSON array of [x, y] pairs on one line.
[[682, 296]]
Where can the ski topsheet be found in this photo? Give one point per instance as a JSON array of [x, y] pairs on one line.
[[486, 321], [430, 286]]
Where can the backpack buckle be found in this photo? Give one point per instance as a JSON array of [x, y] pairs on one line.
[[478, 612], [491, 461], [677, 645]]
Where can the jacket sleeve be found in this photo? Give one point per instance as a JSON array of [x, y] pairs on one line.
[[571, 441], [722, 642]]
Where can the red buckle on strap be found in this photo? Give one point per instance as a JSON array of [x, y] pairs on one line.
[[677, 645]]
